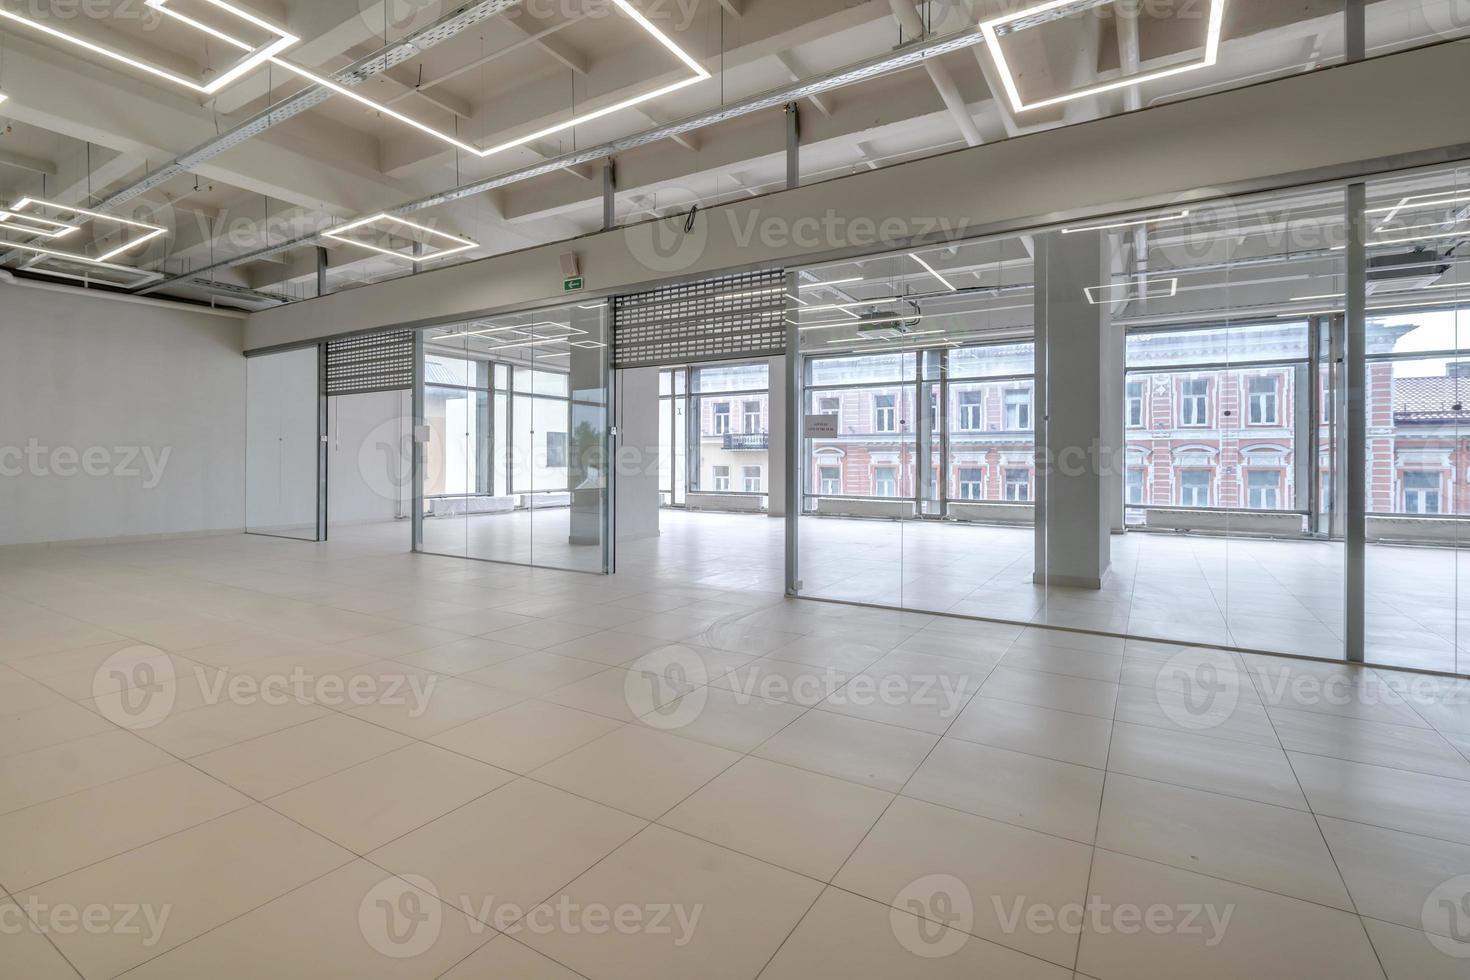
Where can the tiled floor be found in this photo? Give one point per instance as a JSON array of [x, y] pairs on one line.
[[1279, 596], [242, 757]]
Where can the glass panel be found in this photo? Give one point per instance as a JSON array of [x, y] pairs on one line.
[[282, 444], [1418, 431], [732, 405]]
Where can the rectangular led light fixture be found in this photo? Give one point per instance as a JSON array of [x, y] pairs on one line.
[[31, 224], [992, 28], [4, 98], [834, 282], [1093, 291], [1157, 220], [85, 260], [1462, 233], [930, 269], [340, 234], [698, 74], [254, 56], [151, 231]]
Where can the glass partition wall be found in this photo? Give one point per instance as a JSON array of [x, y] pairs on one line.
[[284, 427], [515, 465], [1140, 426], [917, 468]]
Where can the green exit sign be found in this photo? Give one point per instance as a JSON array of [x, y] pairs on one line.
[[572, 285]]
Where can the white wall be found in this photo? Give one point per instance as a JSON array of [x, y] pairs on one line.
[[117, 418]]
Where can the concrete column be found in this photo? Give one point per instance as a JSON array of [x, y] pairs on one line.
[[1078, 388], [636, 457], [776, 426], [587, 470]]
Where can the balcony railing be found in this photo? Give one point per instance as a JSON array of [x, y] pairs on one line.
[[747, 441]]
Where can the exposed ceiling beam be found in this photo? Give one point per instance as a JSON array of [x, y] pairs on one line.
[[793, 73], [735, 8], [907, 15], [542, 37], [34, 164]]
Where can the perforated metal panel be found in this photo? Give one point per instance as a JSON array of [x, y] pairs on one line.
[[713, 320], [375, 362]]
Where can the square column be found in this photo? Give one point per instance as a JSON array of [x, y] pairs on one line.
[[1079, 390]]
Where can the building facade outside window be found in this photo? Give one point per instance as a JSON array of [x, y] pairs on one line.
[[972, 411], [1263, 401], [885, 481], [1422, 493], [752, 479], [1194, 402], [1135, 404], [1018, 485], [885, 413], [1018, 409], [1264, 490], [754, 418], [730, 405], [972, 483], [722, 478], [1194, 488], [830, 479]]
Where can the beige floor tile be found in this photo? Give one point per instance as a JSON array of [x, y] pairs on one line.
[[637, 770], [780, 680], [1408, 801], [800, 820], [463, 655], [442, 704], [1268, 847], [372, 803], [1251, 772], [1408, 954], [356, 923], [541, 634], [1061, 660], [1267, 937], [274, 763], [498, 856], [503, 957], [618, 694], [1062, 735], [745, 909], [1042, 794], [25, 952], [259, 853], [190, 733], [910, 698], [1394, 746], [1391, 875], [46, 726], [723, 718], [848, 937], [867, 752], [1237, 719], [609, 648], [525, 736], [397, 643], [70, 767], [50, 839], [840, 653], [19, 693], [939, 857], [534, 674], [1076, 694]]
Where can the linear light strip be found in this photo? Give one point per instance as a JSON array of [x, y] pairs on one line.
[[58, 229], [930, 269], [1424, 200], [992, 41], [85, 259], [1160, 219], [1173, 291], [1462, 233]]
